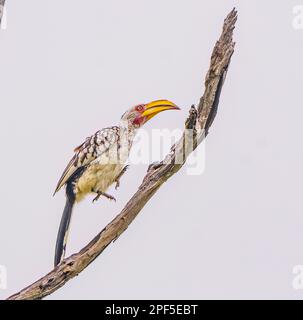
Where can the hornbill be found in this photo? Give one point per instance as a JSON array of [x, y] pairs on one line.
[[100, 161]]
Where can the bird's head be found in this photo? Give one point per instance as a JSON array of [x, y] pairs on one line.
[[141, 113]]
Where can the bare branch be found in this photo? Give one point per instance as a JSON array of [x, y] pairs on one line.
[[200, 120]]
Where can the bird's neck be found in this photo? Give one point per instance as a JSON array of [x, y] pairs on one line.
[[128, 131]]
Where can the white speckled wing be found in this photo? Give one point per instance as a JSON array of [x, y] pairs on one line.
[[90, 150]]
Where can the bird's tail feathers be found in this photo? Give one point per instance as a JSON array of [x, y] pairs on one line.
[[64, 225]]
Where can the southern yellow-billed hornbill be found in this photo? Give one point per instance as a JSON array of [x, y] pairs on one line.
[[100, 161]]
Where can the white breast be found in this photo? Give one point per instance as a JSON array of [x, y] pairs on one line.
[[104, 170], [99, 175]]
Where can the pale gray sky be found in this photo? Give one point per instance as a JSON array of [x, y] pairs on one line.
[[69, 68]]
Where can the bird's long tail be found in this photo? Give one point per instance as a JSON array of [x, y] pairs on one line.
[[64, 224]]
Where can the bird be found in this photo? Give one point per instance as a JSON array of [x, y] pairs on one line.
[[100, 161]]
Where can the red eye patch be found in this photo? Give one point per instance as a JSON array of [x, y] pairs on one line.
[[140, 108]]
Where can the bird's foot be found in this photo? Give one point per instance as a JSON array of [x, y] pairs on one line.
[[117, 184], [106, 195], [119, 177]]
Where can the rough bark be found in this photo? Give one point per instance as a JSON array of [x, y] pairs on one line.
[[200, 120]]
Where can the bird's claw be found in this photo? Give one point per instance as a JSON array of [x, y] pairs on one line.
[[96, 198], [106, 195], [119, 177], [117, 184]]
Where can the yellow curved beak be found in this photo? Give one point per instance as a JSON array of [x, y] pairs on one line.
[[154, 107]]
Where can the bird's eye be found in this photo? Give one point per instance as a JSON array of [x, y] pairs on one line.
[[140, 108]]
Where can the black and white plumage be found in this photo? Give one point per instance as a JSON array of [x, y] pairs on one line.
[[96, 156], [100, 161]]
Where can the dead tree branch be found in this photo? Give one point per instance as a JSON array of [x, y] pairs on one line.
[[199, 120]]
